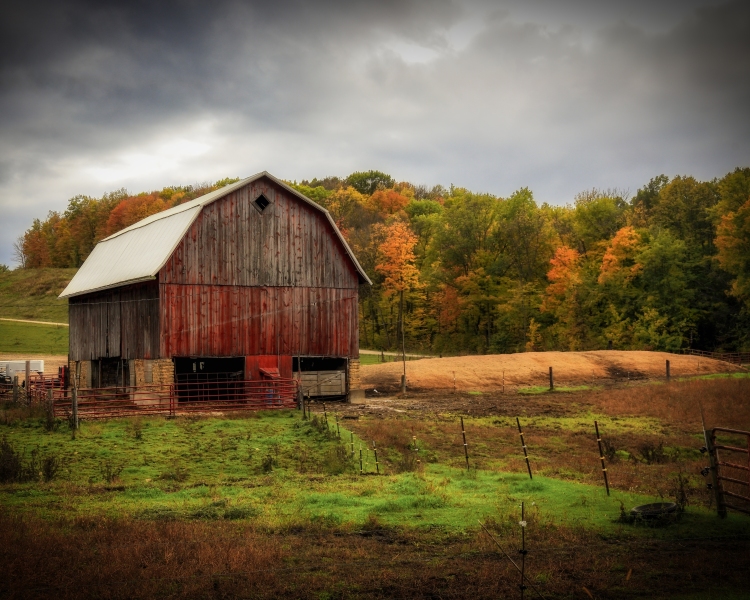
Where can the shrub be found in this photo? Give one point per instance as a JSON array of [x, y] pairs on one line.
[[176, 473], [651, 453], [337, 460], [268, 463], [110, 472], [50, 467], [135, 428], [609, 450], [11, 466]]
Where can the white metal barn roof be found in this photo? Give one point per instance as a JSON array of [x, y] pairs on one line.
[[138, 252]]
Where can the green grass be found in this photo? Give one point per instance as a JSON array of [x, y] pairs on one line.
[[32, 294], [33, 338], [279, 471]]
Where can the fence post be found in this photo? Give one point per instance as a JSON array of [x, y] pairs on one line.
[[74, 396], [466, 447], [15, 389], [668, 374], [601, 456], [28, 382], [523, 445], [713, 459], [551, 380], [523, 551], [300, 400], [50, 408]]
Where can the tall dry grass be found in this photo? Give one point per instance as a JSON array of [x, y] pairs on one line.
[[118, 559], [725, 402]]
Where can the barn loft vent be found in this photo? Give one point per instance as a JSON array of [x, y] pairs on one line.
[[261, 202]]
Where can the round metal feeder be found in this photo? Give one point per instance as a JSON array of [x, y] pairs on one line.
[[658, 511]]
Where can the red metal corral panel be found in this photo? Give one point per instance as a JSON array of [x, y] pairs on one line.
[[209, 320]]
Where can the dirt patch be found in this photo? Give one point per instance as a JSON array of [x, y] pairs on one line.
[[51, 362], [491, 372]]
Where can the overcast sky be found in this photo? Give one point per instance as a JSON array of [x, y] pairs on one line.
[[556, 95]]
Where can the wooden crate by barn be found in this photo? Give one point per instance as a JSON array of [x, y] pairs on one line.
[[252, 281]]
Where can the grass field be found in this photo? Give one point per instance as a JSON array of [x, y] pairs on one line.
[[271, 505], [32, 294], [33, 338]]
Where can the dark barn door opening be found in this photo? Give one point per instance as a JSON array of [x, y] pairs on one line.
[[207, 378], [110, 373]]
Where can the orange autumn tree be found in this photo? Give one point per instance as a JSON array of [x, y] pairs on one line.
[[396, 263], [619, 259], [561, 294]]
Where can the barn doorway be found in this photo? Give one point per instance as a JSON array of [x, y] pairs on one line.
[[206, 378], [110, 373], [322, 376]]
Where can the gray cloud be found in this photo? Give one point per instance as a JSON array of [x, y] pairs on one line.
[[557, 96]]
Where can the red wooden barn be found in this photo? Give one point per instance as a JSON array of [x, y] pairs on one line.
[[251, 281]]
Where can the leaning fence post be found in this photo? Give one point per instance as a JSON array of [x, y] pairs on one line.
[[551, 380], [338, 431], [375, 452], [523, 445], [361, 465], [601, 456], [668, 374], [713, 459], [466, 447]]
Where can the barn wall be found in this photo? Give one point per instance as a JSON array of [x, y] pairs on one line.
[[120, 322], [244, 282], [204, 320], [290, 243]]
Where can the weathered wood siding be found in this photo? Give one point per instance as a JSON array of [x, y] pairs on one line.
[[120, 322], [241, 321], [289, 244], [244, 282]]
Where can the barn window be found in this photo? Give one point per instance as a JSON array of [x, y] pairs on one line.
[[261, 202], [148, 371]]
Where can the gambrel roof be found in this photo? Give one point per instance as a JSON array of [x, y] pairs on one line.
[[137, 253]]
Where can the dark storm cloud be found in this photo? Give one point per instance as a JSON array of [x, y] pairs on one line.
[[558, 96]]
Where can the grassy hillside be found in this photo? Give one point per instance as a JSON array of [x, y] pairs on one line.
[[32, 294], [33, 338]]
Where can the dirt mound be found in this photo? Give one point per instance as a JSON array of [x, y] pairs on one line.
[[487, 372]]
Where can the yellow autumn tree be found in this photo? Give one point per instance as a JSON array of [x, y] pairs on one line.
[[396, 263]]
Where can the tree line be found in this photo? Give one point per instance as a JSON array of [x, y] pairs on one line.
[[457, 271]]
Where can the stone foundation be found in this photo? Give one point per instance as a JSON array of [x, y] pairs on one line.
[[84, 375], [356, 393]]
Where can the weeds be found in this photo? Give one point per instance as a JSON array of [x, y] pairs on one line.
[[50, 468], [268, 463], [337, 460], [135, 428], [109, 472], [610, 451], [651, 453], [176, 472]]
